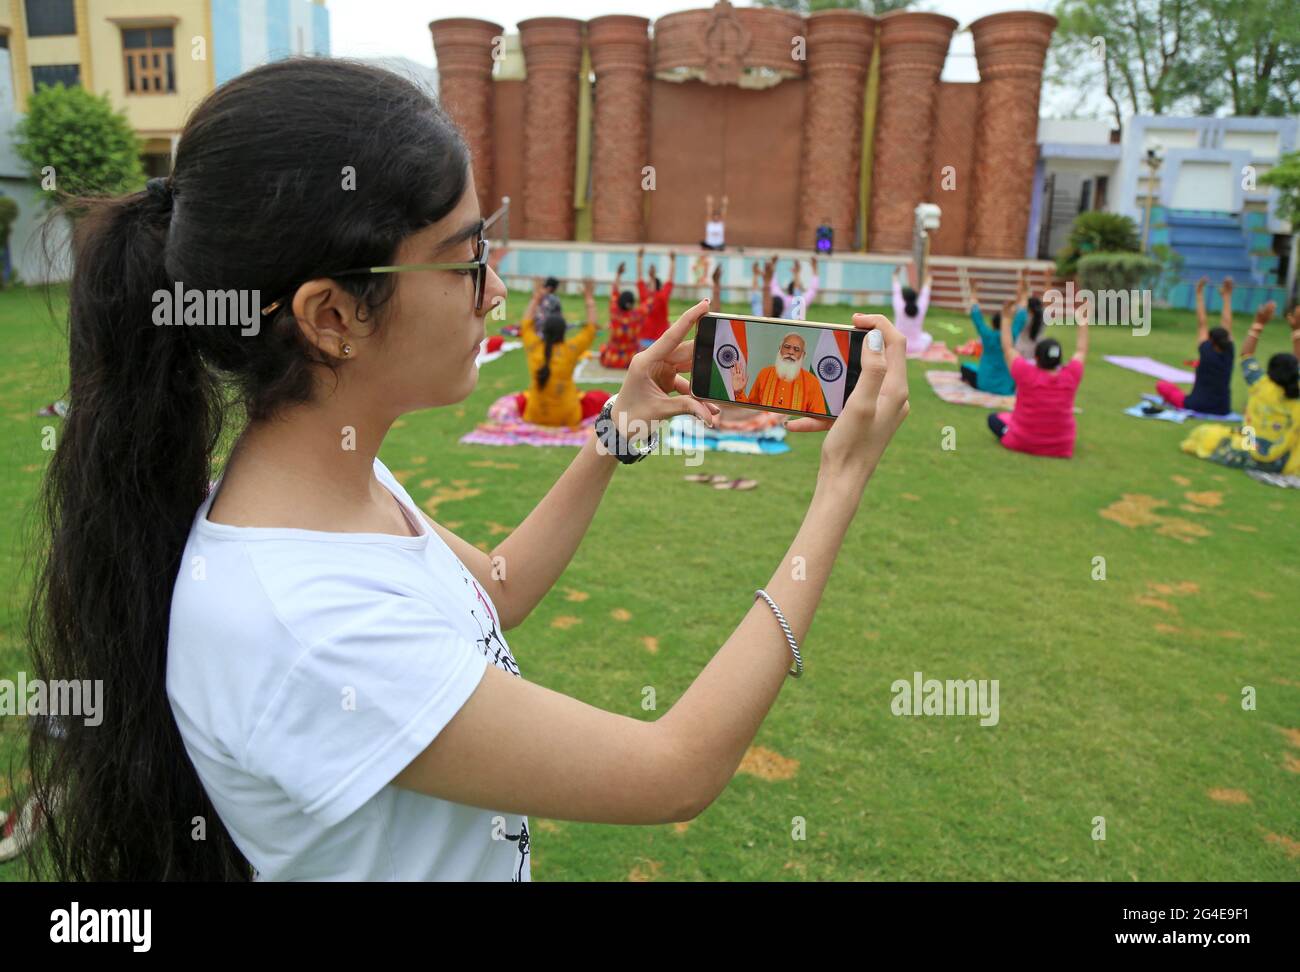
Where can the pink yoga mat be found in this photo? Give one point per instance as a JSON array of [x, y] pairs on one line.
[[1149, 366]]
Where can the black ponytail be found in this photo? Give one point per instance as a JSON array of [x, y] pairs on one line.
[[1035, 307], [909, 301], [553, 331], [256, 202], [131, 466]]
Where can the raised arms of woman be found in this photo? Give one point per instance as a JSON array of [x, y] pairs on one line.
[[1202, 322], [517, 747]]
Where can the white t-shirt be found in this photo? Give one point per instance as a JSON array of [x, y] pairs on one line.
[[713, 232], [306, 669]]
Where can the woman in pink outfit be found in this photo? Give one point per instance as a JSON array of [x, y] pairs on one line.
[[1042, 423], [909, 314]]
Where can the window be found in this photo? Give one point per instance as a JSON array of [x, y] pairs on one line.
[[51, 18], [1103, 186], [67, 75], [150, 60], [4, 42]]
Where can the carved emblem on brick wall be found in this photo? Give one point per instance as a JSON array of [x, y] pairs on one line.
[[726, 42]]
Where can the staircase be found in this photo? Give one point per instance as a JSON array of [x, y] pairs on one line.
[[952, 276], [1211, 244]]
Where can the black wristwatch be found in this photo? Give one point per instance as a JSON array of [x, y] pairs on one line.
[[607, 435]]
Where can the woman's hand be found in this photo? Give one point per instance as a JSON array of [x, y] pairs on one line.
[[655, 373], [588, 288], [872, 412]]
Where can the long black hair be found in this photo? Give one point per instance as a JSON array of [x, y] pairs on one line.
[[1035, 308], [909, 301], [553, 330], [1284, 369], [284, 174]]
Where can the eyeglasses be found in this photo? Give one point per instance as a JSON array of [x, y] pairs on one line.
[[479, 265], [792, 347]]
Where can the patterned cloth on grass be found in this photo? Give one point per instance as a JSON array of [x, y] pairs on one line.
[[949, 386], [762, 436], [504, 427]]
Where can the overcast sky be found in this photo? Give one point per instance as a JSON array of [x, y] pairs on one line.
[[372, 28]]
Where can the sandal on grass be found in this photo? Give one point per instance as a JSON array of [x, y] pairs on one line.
[[705, 478], [737, 484]]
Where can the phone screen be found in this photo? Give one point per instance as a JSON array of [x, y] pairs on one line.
[[778, 366]]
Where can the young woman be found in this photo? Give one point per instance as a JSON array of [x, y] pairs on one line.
[[1270, 438], [715, 224], [909, 313], [654, 295], [627, 318], [796, 298], [302, 664], [553, 398], [1042, 422], [1032, 307], [1212, 390], [992, 375]]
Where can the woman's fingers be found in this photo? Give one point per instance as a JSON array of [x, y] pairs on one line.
[[672, 338]]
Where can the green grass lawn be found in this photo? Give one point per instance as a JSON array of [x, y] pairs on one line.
[[1119, 698]]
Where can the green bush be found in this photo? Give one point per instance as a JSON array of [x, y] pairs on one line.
[[77, 145], [1096, 232], [1118, 271]]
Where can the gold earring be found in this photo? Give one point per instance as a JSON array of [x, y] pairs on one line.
[[346, 350]]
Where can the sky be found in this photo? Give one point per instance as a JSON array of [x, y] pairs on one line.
[[375, 28]]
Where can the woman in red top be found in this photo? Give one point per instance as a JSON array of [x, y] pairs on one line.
[[626, 319], [655, 297], [1042, 423]]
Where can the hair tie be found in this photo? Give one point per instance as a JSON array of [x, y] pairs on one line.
[[160, 189]]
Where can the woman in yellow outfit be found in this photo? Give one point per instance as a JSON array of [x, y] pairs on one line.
[[1270, 438], [553, 398]]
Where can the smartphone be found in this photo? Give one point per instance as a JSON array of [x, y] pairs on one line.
[[796, 367]]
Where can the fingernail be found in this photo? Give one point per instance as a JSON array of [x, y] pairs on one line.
[[875, 341]]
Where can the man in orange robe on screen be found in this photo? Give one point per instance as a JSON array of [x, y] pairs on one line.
[[786, 384]]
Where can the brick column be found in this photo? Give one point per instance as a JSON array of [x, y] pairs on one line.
[[839, 54], [552, 56], [464, 50], [913, 47], [620, 59], [1010, 49]]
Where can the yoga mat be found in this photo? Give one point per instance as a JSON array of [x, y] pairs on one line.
[[1232, 418], [591, 371], [504, 427], [949, 386], [1274, 479], [1153, 368], [937, 352]]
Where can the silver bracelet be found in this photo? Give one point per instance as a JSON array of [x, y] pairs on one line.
[[789, 635]]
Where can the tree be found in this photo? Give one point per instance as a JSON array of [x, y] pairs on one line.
[[1285, 177], [77, 145], [1156, 57], [1138, 49], [1249, 56]]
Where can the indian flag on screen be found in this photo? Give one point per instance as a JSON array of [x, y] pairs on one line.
[[830, 364], [728, 348]]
